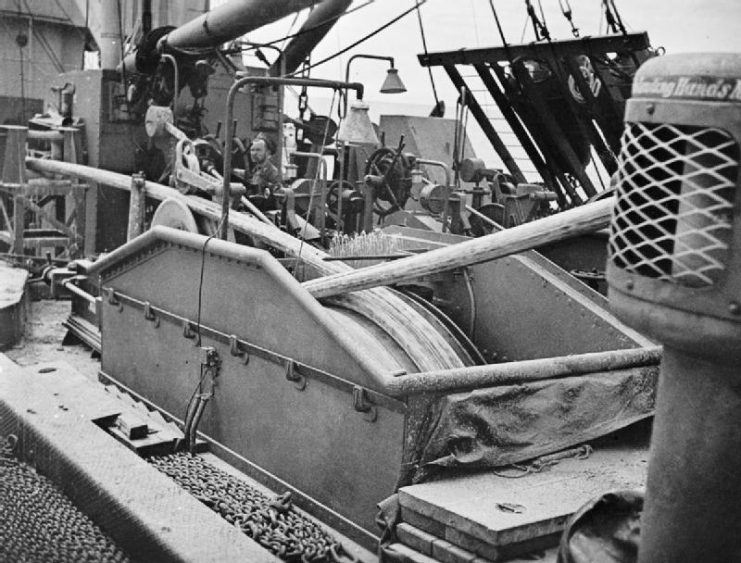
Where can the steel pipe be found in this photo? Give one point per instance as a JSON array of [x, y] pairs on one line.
[[363, 56], [512, 373], [70, 286]]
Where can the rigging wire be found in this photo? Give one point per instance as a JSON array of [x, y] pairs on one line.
[[424, 46], [612, 17], [542, 19], [524, 29], [568, 14], [501, 31], [618, 18], [475, 27], [290, 30], [365, 37], [42, 39], [541, 31]]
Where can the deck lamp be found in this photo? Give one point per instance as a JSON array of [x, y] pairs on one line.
[[356, 128], [393, 83]]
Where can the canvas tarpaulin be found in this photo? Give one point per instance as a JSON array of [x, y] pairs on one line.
[[499, 426]]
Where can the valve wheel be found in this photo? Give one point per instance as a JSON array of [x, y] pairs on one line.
[[397, 180]]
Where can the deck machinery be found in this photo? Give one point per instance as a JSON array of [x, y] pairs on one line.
[[348, 398]]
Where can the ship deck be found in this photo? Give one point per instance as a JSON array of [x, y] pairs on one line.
[[475, 509]]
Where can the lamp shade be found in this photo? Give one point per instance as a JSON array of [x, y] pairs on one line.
[[356, 128], [393, 84]]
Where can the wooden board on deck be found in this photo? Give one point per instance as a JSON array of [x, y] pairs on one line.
[[474, 508]]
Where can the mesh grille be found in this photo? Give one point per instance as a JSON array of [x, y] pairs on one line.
[[674, 212]]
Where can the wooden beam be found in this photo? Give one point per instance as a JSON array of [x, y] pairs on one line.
[[580, 220]]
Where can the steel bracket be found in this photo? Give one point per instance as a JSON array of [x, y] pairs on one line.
[[296, 372], [362, 404], [149, 314], [189, 330], [294, 376], [235, 349], [114, 300]]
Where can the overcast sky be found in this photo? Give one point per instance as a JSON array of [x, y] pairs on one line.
[[677, 25]]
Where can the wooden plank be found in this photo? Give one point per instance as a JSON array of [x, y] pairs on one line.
[[415, 538], [446, 552], [475, 505], [408, 554], [158, 443]]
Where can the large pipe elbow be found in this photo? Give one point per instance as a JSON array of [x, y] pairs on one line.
[[222, 24], [231, 20], [316, 26]]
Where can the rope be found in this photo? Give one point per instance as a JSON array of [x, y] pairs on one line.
[[424, 46], [568, 14], [543, 462]]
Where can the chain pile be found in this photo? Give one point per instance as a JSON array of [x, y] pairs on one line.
[[273, 523], [39, 524]]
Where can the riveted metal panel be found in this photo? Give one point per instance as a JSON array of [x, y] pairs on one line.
[[312, 438]]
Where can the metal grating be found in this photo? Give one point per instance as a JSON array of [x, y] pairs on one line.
[[674, 212]]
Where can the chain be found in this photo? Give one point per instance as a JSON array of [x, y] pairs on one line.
[[544, 462], [271, 522], [39, 523]]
